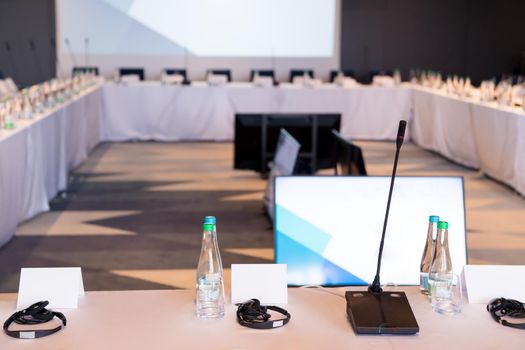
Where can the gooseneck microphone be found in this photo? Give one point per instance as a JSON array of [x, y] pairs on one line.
[[35, 57], [376, 285], [375, 311], [70, 51], [11, 60]]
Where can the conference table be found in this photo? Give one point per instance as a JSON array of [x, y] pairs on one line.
[[165, 319], [479, 135], [152, 111], [36, 157]]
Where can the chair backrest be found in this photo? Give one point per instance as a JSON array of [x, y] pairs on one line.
[[373, 73], [348, 157], [132, 71], [225, 72], [85, 69], [178, 71], [346, 72], [300, 72], [263, 73]]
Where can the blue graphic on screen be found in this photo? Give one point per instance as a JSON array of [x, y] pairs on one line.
[[300, 245], [328, 228]]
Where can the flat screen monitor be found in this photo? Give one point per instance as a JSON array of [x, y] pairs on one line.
[[328, 228], [286, 154], [256, 136]]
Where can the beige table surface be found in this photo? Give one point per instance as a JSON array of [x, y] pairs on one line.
[[165, 320]]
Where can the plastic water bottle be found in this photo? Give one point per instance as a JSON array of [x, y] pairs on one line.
[[441, 265], [209, 300], [428, 253]]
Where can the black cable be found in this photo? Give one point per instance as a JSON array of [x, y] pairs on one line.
[[502, 307], [35, 314], [253, 315]]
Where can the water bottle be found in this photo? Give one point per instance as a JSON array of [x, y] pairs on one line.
[[209, 300], [441, 267], [428, 253]]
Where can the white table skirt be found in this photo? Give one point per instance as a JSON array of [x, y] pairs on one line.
[[444, 124], [37, 156], [151, 111]]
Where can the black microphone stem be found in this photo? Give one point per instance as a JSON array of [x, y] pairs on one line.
[[376, 285]]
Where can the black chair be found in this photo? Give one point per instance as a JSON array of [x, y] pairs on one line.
[[85, 69], [348, 157], [373, 73], [225, 72], [132, 71], [179, 71], [263, 73], [300, 72], [346, 72], [2, 76]]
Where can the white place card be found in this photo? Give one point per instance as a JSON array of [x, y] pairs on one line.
[[266, 282], [487, 282], [61, 286]]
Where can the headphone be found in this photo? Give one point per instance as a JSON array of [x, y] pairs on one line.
[[35, 314], [253, 315], [502, 307]]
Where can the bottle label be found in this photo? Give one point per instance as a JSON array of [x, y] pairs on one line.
[[208, 227]]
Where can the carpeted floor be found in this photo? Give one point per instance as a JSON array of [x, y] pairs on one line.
[[131, 217]]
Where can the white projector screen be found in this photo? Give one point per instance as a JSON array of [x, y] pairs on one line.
[[199, 34], [328, 228]]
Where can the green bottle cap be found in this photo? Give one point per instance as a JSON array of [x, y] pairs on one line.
[[443, 225]]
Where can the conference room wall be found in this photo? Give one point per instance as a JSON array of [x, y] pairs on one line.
[[20, 22], [481, 38]]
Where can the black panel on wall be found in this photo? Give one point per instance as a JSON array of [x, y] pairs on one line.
[[27, 28], [480, 38]]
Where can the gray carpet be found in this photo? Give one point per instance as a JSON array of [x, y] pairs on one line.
[[132, 214]]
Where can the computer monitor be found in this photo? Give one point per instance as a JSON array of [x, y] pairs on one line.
[[286, 154], [328, 228], [256, 136]]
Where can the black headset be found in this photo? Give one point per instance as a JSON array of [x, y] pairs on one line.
[[35, 314], [502, 307], [253, 315]]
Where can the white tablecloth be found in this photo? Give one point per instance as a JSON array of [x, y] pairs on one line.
[[35, 158], [151, 111], [444, 124], [166, 320], [499, 135], [479, 135]]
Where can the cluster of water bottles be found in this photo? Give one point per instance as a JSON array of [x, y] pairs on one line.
[[435, 262], [25, 104]]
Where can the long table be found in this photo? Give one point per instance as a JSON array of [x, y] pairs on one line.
[[476, 134], [151, 111], [36, 157], [165, 320]]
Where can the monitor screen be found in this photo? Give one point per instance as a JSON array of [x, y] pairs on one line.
[[286, 153], [284, 160], [328, 228]]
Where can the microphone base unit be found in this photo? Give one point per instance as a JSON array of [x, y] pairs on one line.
[[380, 313]]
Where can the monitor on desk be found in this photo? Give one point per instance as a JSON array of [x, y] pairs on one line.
[[286, 154], [328, 228]]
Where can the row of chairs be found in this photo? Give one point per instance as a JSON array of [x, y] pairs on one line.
[[226, 72]]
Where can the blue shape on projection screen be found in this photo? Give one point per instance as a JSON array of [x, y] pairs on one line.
[[211, 28]]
